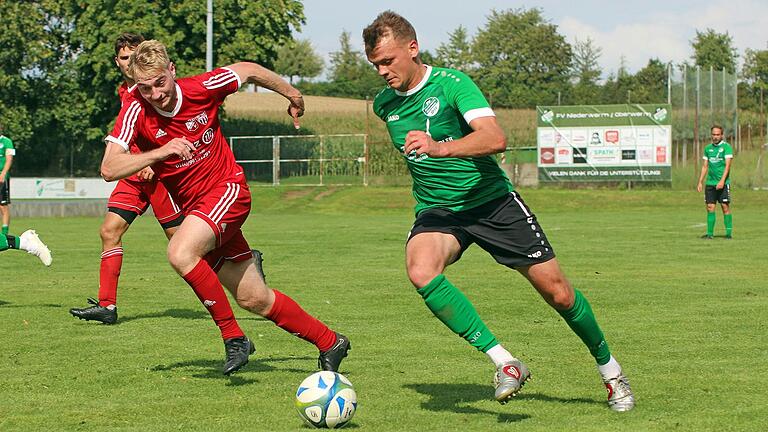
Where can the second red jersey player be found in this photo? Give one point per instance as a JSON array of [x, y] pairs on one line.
[[176, 126], [131, 197]]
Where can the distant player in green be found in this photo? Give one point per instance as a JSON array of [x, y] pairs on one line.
[[6, 160], [718, 157], [447, 133], [28, 241]]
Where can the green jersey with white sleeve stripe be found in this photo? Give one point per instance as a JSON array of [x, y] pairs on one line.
[[443, 104], [6, 149], [715, 155]]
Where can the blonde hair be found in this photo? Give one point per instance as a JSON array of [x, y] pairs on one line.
[[149, 59]]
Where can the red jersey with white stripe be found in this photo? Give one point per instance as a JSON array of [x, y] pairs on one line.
[[125, 93], [128, 94], [195, 117]]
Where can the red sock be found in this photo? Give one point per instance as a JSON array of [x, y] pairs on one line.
[[109, 272], [206, 285], [289, 316]]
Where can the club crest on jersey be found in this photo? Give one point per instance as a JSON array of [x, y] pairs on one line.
[[195, 122], [208, 136], [431, 106]]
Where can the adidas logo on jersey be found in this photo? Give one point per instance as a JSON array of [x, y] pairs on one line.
[[160, 133]]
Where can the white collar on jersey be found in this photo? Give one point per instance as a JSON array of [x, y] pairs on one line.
[[421, 84], [176, 109], [131, 88]]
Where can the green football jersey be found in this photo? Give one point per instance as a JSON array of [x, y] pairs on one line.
[[715, 155], [443, 104], [6, 149]]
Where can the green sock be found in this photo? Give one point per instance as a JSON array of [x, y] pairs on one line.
[[5, 229], [582, 321], [8, 242], [453, 308], [728, 220], [710, 223]]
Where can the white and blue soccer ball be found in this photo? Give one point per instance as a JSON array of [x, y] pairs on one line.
[[326, 400]]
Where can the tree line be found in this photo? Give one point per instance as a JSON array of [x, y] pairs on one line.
[[520, 60], [58, 79]]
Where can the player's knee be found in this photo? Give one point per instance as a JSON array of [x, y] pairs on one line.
[[110, 235], [256, 303], [420, 276], [180, 259]]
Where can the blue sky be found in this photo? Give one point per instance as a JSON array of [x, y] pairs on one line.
[[637, 30]]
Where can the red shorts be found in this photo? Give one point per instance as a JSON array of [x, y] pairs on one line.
[[225, 208], [136, 196]]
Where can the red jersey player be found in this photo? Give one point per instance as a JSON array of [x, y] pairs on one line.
[[130, 198], [175, 123]]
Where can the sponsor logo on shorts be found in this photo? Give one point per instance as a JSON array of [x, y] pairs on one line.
[[209, 303]]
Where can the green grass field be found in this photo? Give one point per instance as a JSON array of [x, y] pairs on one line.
[[686, 318]]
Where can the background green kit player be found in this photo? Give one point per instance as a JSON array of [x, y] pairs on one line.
[[441, 123], [717, 170], [7, 151], [27, 241]]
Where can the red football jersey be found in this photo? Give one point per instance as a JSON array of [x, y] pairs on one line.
[[195, 117], [125, 93]]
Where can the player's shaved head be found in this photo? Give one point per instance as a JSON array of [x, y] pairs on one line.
[[150, 59], [388, 24]]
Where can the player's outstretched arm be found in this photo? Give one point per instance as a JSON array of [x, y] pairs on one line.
[[119, 163], [263, 77]]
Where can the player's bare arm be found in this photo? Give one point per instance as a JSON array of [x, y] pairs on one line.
[[6, 168], [703, 174], [486, 138], [118, 163], [263, 77]]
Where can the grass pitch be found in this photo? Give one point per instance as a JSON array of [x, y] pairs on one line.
[[686, 318]]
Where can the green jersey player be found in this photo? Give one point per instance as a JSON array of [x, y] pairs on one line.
[[718, 157], [7, 151], [27, 241], [447, 133]]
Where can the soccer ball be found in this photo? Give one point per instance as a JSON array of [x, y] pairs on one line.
[[326, 400]]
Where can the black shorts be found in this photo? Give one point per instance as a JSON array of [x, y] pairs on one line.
[[505, 228], [713, 195], [5, 192]]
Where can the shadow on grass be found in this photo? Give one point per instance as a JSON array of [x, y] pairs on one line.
[[190, 314], [455, 397], [3, 303], [211, 369]]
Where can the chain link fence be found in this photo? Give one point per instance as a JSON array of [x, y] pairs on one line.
[[701, 97]]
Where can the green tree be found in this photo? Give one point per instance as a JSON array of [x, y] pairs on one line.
[[522, 59], [298, 59], [585, 72], [755, 79], [713, 49], [457, 52], [755, 69], [59, 54], [350, 73], [650, 83]]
